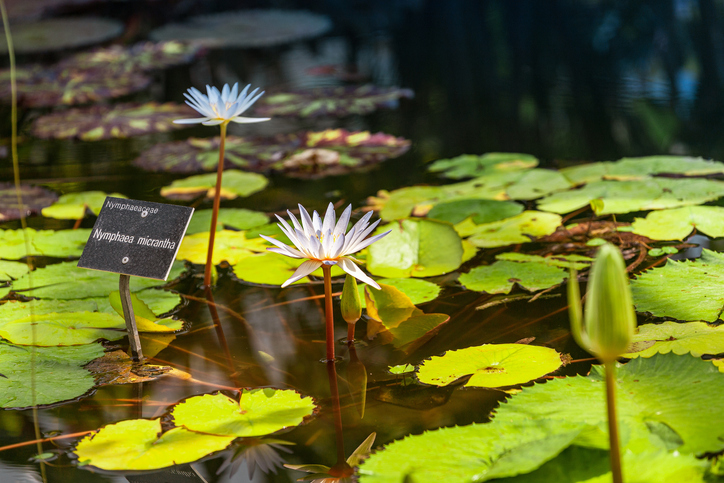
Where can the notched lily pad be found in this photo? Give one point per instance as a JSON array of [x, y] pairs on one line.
[[35, 199], [271, 269], [479, 211], [683, 290], [144, 56], [229, 246], [640, 168], [502, 275], [492, 365], [695, 338], [107, 122], [419, 291], [258, 413], [234, 184], [49, 243], [74, 206], [61, 33], [678, 223], [228, 218], [471, 166], [331, 101], [522, 228]]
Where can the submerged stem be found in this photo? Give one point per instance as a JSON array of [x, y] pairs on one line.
[[328, 315], [215, 211], [350, 333], [615, 451]]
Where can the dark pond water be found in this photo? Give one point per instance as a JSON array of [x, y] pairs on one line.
[[565, 81]]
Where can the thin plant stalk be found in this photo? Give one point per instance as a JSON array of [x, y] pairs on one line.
[[350, 333], [615, 451], [329, 316], [215, 211]]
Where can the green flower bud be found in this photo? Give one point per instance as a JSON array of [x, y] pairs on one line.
[[350, 301], [609, 320]]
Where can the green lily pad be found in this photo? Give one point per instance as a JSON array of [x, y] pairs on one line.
[[144, 56], [35, 199], [418, 291], [415, 248], [272, 269], [61, 33], [401, 369], [108, 122], [508, 449], [12, 270], [695, 338], [331, 101], [471, 166], [49, 243], [579, 262], [74, 206], [68, 328], [54, 86], [67, 281], [233, 218], [260, 412], [585, 465], [234, 184], [678, 223], [56, 371], [692, 290], [247, 28], [663, 391], [305, 154], [641, 168], [628, 196], [146, 320], [479, 211], [229, 246], [502, 275], [492, 365], [522, 228], [139, 444]]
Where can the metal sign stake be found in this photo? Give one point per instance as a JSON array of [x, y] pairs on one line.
[[125, 291]]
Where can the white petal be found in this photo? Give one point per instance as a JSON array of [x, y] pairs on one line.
[[225, 92], [369, 241], [191, 121], [213, 94], [337, 247], [213, 122], [362, 223], [242, 96], [282, 251], [304, 269], [306, 221], [350, 267], [329, 219], [287, 249], [249, 120], [234, 91], [294, 221], [361, 235], [341, 225], [316, 223], [327, 242]]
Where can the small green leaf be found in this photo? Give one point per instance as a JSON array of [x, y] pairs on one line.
[[502, 275], [235, 183], [73, 206], [696, 338], [522, 228]]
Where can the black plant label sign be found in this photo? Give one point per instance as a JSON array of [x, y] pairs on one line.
[[138, 238]]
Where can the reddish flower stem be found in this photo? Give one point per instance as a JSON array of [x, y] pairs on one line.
[[215, 212], [329, 316]]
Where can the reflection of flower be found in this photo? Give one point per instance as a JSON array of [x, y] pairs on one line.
[[324, 242], [258, 453], [221, 107]]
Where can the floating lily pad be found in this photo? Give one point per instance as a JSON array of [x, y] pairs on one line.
[[247, 28], [35, 199], [628, 196], [69, 328], [471, 166], [396, 320], [260, 412], [229, 246], [479, 211], [233, 218], [107, 122], [331, 101], [492, 365], [508, 448], [74, 206], [144, 56], [146, 320], [36, 9], [418, 291], [641, 168], [54, 86], [684, 290], [415, 248], [579, 262], [49, 243], [140, 444], [304, 154], [522, 228], [67, 281], [657, 396], [57, 374], [272, 269], [61, 34], [12, 270], [502, 275], [678, 223], [695, 338], [234, 184]]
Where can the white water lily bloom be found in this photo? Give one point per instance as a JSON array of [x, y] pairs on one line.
[[222, 107], [323, 241]]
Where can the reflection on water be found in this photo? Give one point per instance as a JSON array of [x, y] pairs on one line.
[[563, 80]]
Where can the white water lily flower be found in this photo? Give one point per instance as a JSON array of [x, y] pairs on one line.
[[324, 242], [222, 107]]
